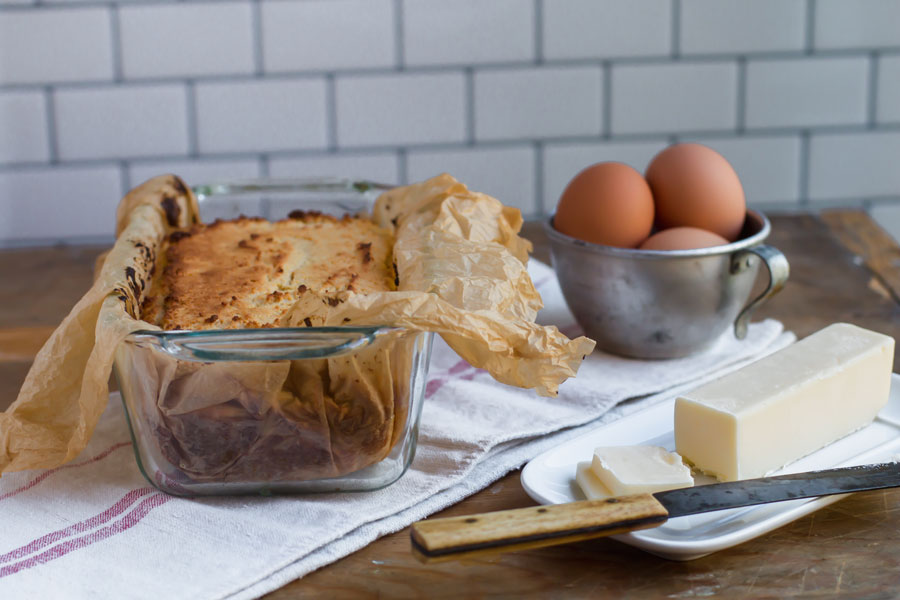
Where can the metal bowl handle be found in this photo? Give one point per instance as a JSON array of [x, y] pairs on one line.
[[779, 270]]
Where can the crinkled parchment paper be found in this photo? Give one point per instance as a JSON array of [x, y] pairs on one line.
[[462, 273], [66, 389], [461, 269]]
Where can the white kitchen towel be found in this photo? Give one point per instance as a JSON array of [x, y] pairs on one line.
[[94, 528]]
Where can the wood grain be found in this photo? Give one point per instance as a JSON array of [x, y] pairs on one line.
[[455, 538], [20, 344], [39, 286], [849, 549], [872, 244]]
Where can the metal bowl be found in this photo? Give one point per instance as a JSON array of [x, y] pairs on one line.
[[665, 304]]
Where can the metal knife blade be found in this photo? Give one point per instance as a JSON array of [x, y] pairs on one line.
[[749, 492], [537, 526]]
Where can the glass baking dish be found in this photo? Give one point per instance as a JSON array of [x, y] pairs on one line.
[[280, 410]]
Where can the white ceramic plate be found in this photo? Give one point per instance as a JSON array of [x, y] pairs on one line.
[[550, 479]]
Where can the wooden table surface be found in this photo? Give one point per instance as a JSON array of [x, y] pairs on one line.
[[843, 268]]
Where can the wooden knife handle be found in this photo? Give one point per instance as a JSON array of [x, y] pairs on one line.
[[533, 527]]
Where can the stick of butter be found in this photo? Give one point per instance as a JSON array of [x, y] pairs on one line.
[[786, 405], [624, 470]]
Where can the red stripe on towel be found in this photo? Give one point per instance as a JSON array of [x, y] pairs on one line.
[[47, 474], [123, 524], [55, 536], [438, 381]]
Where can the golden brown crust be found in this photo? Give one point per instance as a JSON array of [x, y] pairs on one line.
[[247, 272]]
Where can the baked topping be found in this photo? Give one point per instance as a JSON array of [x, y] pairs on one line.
[[248, 272]]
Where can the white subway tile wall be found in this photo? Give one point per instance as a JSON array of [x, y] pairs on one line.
[[712, 26], [23, 127], [807, 92], [45, 204], [848, 165], [55, 45], [677, 97], [544, 102], [261, 115], [512, 96], [381, 167], [115, 122], [463, 32], [327, 34], [187, 40], [400, 109], [194, 172], [856, 23], [888, 107], [606, 29]]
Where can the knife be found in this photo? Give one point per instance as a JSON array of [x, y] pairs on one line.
[[453, 538]]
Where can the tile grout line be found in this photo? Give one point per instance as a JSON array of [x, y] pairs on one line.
[[538, 33], [872, 109], [606, 99], [657, 60], [719, 134], [115, 34], [539, 200], [676, 29], [265, 203], [803, 174], [402, 167], [257, 28], [52, 126], [741, 109], [810, 40], [331, 126], [469, 106], [191, 119], [125, 175], [399, 43], [397, 170], [38, 5]]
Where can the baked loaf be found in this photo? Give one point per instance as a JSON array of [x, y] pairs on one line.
[[248, 272], [271, 421]]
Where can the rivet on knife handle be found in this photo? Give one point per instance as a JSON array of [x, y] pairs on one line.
[[461, 537]]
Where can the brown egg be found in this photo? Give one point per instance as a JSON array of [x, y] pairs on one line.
[[608, 203], [682, 238], [694, 186]]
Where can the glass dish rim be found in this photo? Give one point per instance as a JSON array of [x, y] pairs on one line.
[[286, 185], [278, 343]]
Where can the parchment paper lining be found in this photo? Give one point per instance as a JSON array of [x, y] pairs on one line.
[[461, 268]]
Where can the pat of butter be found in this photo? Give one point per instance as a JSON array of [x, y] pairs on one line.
[[624, 470], [786, 405], [638, 469], [592, 487]]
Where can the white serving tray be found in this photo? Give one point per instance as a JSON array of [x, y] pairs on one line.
[[549, 478]]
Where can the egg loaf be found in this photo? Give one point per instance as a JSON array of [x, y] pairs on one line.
[[240, 421], [248, 272]]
